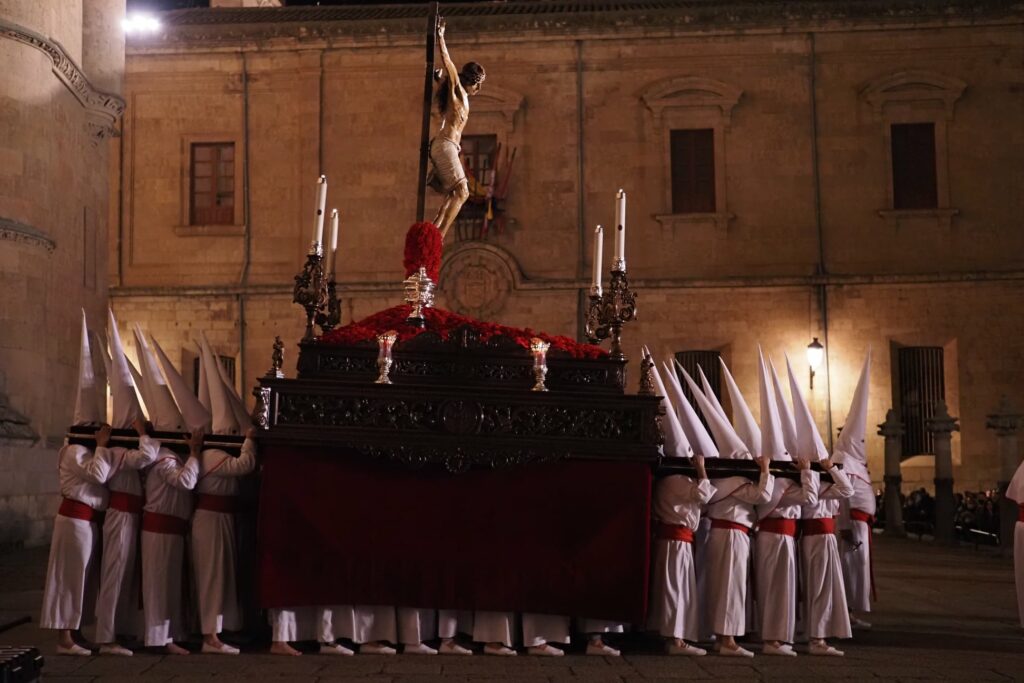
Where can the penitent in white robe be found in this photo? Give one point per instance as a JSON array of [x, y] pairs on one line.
[[117, 608], [416, 625], [452, 622], [494, 627], [700, 546], [545, 628], [674, 599], [728, 551], [213, 539], [169, 487], [856, 559], [71, 571], [370, 624], [1015, 492], [825, 609], [324, 624], [775, 558]]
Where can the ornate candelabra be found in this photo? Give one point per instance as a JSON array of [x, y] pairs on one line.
[[329, 319], [419, 293], [539, 349], [311, 288], [609, 310], [385, 340]]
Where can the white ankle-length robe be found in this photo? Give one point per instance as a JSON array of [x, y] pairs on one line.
[[214, 549], [728, 551], [117, 608], [826, 614], [775, 558], [674, 601], [169, 486]]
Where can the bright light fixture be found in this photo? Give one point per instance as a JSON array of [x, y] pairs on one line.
[[140, 24]]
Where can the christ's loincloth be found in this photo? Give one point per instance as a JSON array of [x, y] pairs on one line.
[[446, 168]]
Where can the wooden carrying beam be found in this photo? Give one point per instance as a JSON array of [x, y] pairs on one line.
[[719, 468], [175, 441]]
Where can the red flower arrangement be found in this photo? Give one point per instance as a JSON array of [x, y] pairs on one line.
[[423, 248], [443, 322]]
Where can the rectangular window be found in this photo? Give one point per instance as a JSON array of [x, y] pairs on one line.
[[708, 362], [479, 157], [920, 384], [914, 184], [212, 188], [693, 171], [226, 362]]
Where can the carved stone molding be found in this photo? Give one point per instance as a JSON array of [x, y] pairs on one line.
[[477, 280], [19, 232], [494, 99], [914, 86], [103, 108], [688, 92]]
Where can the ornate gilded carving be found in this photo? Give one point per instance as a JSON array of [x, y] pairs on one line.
[[103, 108], [261, 411]]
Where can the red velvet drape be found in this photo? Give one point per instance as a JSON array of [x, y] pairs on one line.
[[560, 538]]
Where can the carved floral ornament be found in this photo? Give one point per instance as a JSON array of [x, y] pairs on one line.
[[102, 108], [914, 86], [690, 92]]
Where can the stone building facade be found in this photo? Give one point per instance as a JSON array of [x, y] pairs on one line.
[[61, 66], [808, 232]]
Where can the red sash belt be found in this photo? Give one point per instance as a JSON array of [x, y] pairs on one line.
[[732, 526], [673, 532], [777, 525], [126, 502], [818, 527], [869, 519], [862, 516], [164, 524], [1020, 513], [76, 510], [214, 503]]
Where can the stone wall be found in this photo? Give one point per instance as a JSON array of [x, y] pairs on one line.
[[55, 127], [800, 113]]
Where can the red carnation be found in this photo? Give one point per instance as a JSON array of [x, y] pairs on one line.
[[423, 248]]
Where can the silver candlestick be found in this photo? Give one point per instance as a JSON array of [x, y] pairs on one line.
[[419, 293], [539, 349]]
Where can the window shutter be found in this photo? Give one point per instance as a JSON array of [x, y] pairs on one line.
[[914, 184]]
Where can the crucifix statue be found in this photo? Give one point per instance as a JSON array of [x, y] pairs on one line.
[[447, 174]]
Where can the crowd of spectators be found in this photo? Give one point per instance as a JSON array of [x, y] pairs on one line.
[[976, 517]]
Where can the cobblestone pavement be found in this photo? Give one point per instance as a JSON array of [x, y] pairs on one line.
[[944, 613]]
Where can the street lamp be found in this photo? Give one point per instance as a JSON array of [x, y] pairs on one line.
[[815, 354]]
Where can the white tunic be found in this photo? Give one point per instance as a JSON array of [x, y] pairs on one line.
[[70, 574], [117, 608], [775, 558], [324, 624], [169, 487], [1015, 492], [416, 625], [674, 598], [369, 624], [494, 627], [213, 539], [856, 559], [728, 551], [544, 628], [825, 609], [451, 622]]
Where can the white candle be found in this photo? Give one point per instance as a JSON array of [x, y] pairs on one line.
[[331, 253], [620, 230], [598, 258], [321, 204]]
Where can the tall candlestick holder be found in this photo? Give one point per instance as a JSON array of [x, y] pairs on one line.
[[609, 310], [311, 287], [419, 293]]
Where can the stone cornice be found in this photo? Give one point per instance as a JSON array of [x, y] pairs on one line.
[[14, 231], [555, 19], [103, 108], [523, 284]]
